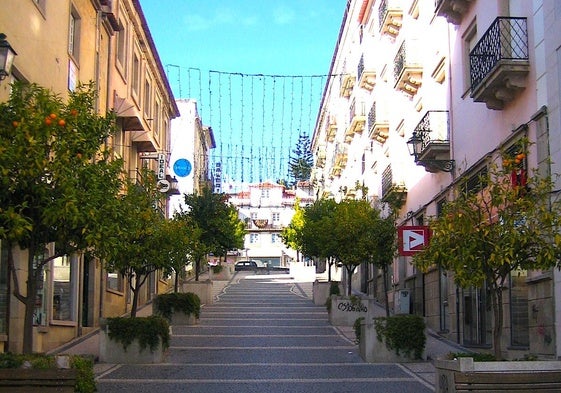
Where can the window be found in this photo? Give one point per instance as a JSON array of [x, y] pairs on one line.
[[519, 320], [253, 238], [276, 218], [275, 238], [156, 117], [470, 40], [41, 5], [253, 216], [63, 289], [40, 311], [122, 46], [135, 75], [477, 182], [147, 99], [74, 35], [265, 193], [115, 282]]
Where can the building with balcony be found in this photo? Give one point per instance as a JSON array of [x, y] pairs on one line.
[[267, 208], [452, 83], [60, 44]]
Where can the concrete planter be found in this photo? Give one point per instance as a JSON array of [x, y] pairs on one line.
[[320, 291], [111, 351], [374, 351], [532, 375], [32, 380], [344, 312], [224, 275], [203, 289], [179, 318]]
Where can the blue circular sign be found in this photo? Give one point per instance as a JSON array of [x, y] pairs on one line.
[[182, 167]]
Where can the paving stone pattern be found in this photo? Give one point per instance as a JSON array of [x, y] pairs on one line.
[[263, 334]]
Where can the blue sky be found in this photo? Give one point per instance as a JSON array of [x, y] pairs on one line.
[[205, 45]]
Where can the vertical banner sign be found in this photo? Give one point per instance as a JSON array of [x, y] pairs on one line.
[[161, 166], [218, 178], [412, 239]]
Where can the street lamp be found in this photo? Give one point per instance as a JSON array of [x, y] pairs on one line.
[[416, 145], [7, 54]]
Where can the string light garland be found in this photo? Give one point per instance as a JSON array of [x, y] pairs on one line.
[[256, 118]]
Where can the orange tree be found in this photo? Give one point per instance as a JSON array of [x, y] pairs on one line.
[[291, 234], [55, 182], [510, 223]]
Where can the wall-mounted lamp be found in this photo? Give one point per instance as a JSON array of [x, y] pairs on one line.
[[7, 54], [416, 144]]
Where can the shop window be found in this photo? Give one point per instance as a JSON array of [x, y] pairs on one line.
[[520, 334]]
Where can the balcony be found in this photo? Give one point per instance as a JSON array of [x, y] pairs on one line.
[[366, 77], [394, 193], [347, 85], [378, 130], [390, 15], [331, 129], [408, 71], [341, 157], [320, 162], [453, 10], [144, 141], [430, 143], [357, 120], [499, 63]]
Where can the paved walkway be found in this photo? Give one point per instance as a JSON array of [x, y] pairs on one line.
[[263, 333]]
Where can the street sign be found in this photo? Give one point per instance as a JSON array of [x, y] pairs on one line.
[[412, 239]]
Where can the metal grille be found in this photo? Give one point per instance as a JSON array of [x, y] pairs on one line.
[[387, 180], [372, 116], [382, 11], [506, 39], [433, 127], [360, 68], [399, 61]]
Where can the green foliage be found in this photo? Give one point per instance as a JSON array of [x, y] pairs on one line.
[[477, 357], [488, 232], [85, 378], [187, 303], [334, 289], [300, 164], [216, 269], [291, 235], [149, 331], [56, 184], [403, 334], [356, 327]]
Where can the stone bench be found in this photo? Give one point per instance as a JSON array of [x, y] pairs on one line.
[[512, 382]]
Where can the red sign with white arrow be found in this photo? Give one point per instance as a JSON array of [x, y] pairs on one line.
[[412, 239]]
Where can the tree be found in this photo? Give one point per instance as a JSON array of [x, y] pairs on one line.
[[350, 228], [507, 223], [291, 234], [300, 164], [221, 230], [146, 237], [382, 243], [56, 185], [316, 237]]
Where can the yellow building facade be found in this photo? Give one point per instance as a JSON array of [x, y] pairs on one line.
[[59, 44]]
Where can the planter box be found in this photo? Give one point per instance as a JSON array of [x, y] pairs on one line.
[[179, 318], [464, 375], [374, 351], [344, 313], [320, 292], [203, 289], [113, 352], [224, 275], [29, 380]]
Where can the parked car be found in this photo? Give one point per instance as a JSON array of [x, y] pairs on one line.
[[250, 265]]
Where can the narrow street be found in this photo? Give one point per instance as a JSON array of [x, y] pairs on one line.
[[264, 334]]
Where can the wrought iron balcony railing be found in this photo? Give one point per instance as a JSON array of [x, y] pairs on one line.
[[431, 142], [378, 130], [390, 15], [366, 76], [408, 69], [391, 190], [499, 62]]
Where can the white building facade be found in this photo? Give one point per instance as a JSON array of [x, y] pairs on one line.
[[464, 79]]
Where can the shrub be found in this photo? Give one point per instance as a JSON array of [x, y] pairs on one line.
[[404, 334], [217, 269], [356, 327], [333, 291], [188, 303], [149, 331], [85, 378]]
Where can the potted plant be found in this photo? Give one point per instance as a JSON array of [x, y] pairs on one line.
[[178, 308], [399, 338], [137, 340], [46, 373]]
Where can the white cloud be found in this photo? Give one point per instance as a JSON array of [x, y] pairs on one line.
[[283, 15]]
